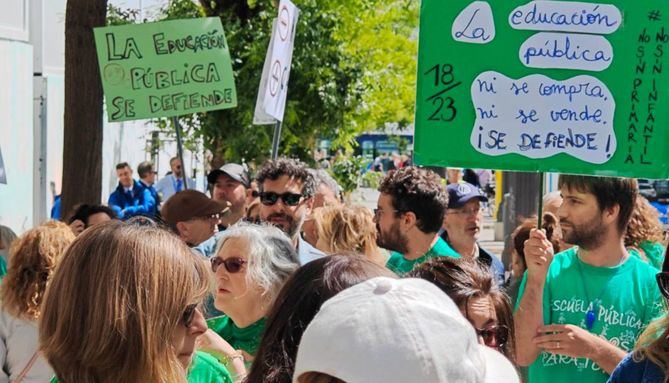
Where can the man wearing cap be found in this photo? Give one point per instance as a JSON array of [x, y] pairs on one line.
[[230, 183], [193, 216], [462, 226], [286, 195], [409, 214]]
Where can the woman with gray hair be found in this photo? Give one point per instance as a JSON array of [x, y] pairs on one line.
[[251, 264]]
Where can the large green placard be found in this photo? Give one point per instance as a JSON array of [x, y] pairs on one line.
[[164, 69], [558, 86]]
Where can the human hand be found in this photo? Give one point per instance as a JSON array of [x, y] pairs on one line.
[[567, 340], [77, 226], [214, 344], [538, 254]]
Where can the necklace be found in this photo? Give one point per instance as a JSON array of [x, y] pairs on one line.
[[590, 315]]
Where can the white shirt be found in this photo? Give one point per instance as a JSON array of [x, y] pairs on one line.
[[166, 187], [18, 343]]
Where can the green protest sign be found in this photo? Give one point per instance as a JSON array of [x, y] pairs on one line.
[[165, 69], [558, 86]]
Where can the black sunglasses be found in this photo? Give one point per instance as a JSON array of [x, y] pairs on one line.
[[232, 265], [289, 199], [188, 315], [663, 283], [494, 336]]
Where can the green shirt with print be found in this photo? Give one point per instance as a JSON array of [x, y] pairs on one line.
[[401, 266], [246, 339], [629, 300], [204, 369], [654, 253]]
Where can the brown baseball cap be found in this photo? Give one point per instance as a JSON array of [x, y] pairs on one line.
[[188, 204]]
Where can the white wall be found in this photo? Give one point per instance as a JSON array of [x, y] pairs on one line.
[[16, 134]]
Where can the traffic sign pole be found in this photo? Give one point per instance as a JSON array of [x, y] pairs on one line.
[[276, 139]]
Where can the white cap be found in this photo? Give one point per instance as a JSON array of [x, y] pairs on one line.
[[397, 330]]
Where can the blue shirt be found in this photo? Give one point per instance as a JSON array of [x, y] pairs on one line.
[[630, 370]]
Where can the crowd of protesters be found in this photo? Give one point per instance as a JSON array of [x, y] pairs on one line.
[[274, 278]]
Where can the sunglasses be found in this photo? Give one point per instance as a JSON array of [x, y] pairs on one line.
[[663, 283], [232, 265], [188, 315], [494, 336], [253, 220], [289, 199]]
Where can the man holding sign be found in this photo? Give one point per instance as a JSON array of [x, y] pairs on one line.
[[582, 310]]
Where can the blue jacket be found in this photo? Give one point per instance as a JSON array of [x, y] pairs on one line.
[[154, 195], [126, 206]]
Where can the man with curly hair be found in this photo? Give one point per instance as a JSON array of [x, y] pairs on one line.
[[286, 195], [409, 214]]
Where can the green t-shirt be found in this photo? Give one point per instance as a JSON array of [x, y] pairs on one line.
[[654, 252], [206, 369], [247, 338], [203, 369], [400, 265], [3, 268], [629, 300]]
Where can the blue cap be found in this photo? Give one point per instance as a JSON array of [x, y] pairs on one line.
[[459, 194]]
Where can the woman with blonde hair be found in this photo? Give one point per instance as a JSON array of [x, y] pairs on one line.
[[32, 259], [645, 234], [343, 229], [649, 362], [123, 306]]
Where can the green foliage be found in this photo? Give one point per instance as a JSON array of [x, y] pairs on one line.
[[353, 70], [119, 16], [372, 179], [348, 171]]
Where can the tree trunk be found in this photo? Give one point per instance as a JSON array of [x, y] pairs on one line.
[[82, 146]]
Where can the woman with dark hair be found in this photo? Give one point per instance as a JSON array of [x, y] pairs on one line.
[[85, 216], [475, 292], [296, 305], [518, 238]]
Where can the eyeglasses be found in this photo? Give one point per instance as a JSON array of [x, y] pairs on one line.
[[378, 212], [289, 199], [663, 283], [188, 315], [468, 212], [255, 194], [494, 336], [232, 265]]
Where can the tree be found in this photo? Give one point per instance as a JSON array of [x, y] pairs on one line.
[[353, 70], [82, 146]]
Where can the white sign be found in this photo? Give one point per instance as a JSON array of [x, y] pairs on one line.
[[538, 117], [3, 174], [273, 89]]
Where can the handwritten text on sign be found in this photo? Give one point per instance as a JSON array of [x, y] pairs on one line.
[[538, 117], [567, 86], [165, 69]]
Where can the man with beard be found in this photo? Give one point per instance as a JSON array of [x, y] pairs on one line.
[[173, 183], [409, 214], [581, 311], [286, 195], [463, 222], [230, 183]]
